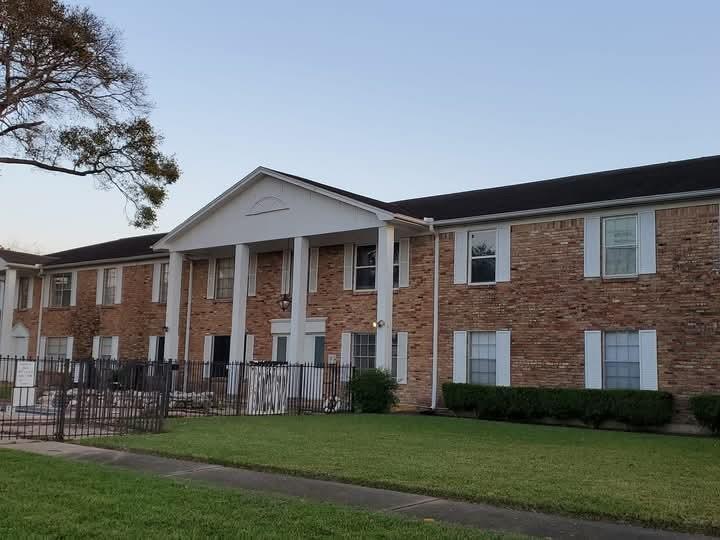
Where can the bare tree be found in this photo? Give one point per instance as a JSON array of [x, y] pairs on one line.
[[69, 104]]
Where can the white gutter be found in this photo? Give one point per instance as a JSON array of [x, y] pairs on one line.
[[97, 262], [649, 199], [186, 351]]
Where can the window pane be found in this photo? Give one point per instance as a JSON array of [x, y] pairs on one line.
[[365, 278], [621, 231], [109, 277], [224, 277], [363, 348], [105, 352], [396, 276], [163, 283], [23, 292], [620, 261], [482, 243], [482, 270], [281, 355], [56, 348], [365, 256], [319, 359], [481, 358], [60, 288]]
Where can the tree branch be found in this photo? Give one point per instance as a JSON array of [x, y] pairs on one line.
[[25, 125], [48, 167]]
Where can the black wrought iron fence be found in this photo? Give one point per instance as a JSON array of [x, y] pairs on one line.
[[204, 389], [55, 398], [51, 398]]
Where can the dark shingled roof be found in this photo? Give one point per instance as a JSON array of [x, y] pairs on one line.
[[134, 246], [659, 179], [18, 257]]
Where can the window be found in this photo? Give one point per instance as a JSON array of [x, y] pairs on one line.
[[56, 348], [482, 256], [481, 358], [221, 356], [319, 352], [23, 293], [281, 349], [109, 284], [364, 352], [224, 278], [620, 246], [366, 266], [622, 360], [105, 348], [60, 289], [163, 290]]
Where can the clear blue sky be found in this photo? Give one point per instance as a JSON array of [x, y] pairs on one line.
[[394, 99]]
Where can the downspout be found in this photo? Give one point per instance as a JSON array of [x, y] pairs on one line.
[[40, 312], [436, 309], [186, 350]]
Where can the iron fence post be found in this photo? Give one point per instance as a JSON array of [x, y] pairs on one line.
[[60, 431], [300, 390]]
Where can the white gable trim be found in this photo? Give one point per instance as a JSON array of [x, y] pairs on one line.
[[220, 201]]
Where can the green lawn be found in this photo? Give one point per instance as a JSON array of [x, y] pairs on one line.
[[44, 497], [658, 480]]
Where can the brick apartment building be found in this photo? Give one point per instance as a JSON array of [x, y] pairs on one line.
[[603, 280]]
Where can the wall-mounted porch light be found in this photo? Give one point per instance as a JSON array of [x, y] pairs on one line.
[[378, 324]]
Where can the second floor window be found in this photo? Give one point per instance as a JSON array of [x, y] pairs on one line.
[[482, 256], [23, 292], [60, 289], [109, 285], [163, 291], [224, 278], [366, 267], [620, 246]]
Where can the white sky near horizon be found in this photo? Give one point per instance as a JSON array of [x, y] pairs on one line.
[[392, 99]]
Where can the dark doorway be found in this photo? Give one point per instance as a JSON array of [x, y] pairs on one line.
[[160, 352], [221, 356]]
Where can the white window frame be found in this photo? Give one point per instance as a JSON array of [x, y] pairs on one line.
[[396, 264], [51, 299], [23, 301], [101, 341], [48, 341], [163, 283], [604, 359], [106, 299], [217, 277], [603, 245], [469, 352], [393, 358], [471, 258]]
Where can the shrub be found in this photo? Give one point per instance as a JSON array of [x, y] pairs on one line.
[[706, 408], [373, 391], [634, 407]]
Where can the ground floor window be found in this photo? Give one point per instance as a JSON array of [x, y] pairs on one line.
[[364, 352], [56, 348], [482, 358], [105, 348], [621, 360], [281, 349], [220, 356]]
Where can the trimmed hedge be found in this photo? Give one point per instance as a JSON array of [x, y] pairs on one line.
[[633, 407], [373, 391], [706, 408]]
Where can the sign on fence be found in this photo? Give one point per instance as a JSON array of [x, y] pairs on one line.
[[25, 374]]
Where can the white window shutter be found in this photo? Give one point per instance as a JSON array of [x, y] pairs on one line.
[[207, 356], [402, 357], [461, 257], [502, 357], [593, 359], [648, 360], [459, 357], [152, 349], [348, 258], [592, 246], [31, 286], [45, 292], [118, 284], [345, 356], [42, 347], [249, 347], [99, 286], [96, 347], [155, 294], [211, 279], [69, 347], [646, 226], [313, 270], [73, 288], [115, 347], [404, 262], [285, 285], [252, 274], [503, 253]]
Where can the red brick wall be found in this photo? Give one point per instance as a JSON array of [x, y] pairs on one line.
[[548, 304], [134, 320]]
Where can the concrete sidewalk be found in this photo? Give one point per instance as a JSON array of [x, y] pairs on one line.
[[381, 500]]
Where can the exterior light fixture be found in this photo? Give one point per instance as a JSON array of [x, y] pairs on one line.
[[285, 302], [378, 324]]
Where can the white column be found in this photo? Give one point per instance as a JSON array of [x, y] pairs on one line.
[[172, 308], [8, 307], [301, 258], [384, 285], [239, 305]]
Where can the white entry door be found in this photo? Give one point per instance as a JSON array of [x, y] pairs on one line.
[[21, 346], [314, 359]]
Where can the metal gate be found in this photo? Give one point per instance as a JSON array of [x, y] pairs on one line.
[[60, 399]]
